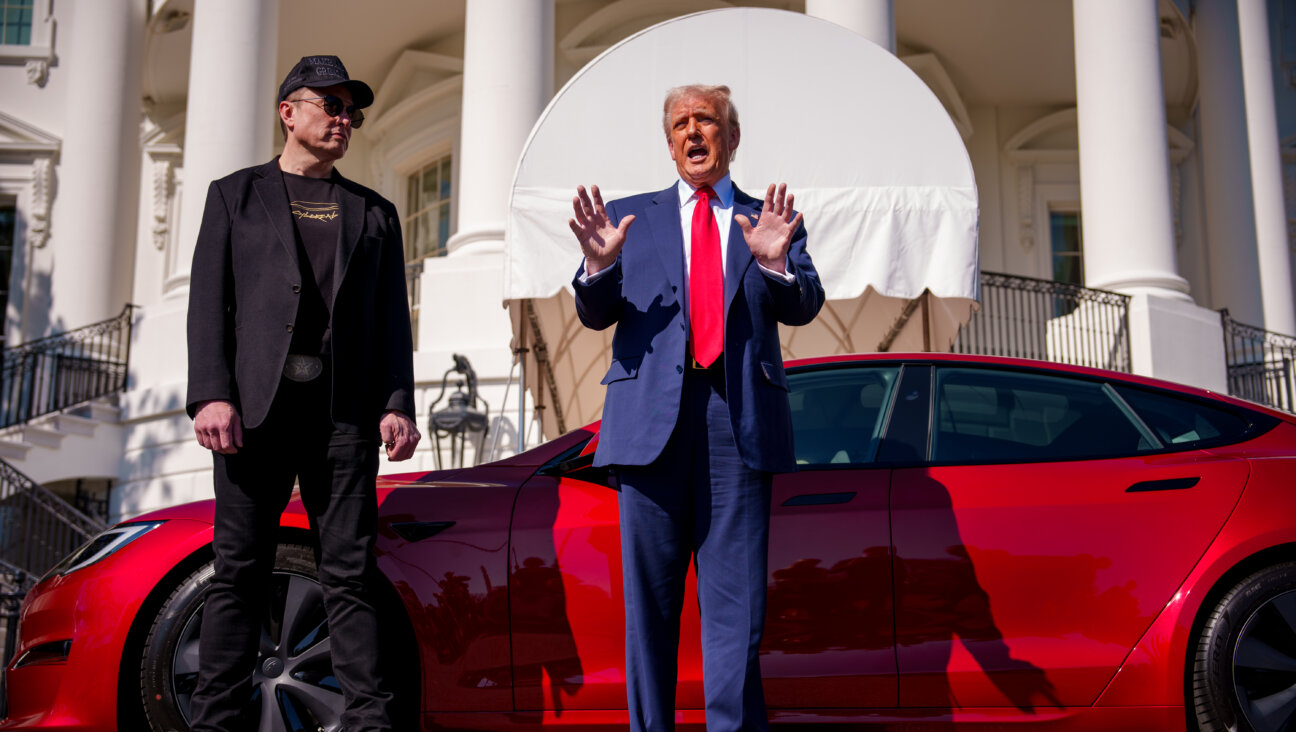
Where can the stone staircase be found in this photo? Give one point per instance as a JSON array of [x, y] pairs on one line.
[[84, 440]]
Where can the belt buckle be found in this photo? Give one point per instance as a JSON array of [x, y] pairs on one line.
[[301, 368]]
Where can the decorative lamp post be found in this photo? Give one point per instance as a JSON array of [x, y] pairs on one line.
[[460, 420]]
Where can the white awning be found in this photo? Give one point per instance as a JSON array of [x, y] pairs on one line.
[[875, 162]]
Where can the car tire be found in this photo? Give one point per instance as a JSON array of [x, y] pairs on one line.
[[302, 682], [1246, 652]]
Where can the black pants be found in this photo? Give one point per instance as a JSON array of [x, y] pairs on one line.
[[336, 472]]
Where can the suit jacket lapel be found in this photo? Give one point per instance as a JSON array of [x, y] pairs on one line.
[[663, 219], [274, 198], [738, 256], [353, 215]]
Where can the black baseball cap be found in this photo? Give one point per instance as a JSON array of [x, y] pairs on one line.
[[319, 71]]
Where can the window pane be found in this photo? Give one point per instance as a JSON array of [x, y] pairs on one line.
[[984, 415], [429, 186], [443, 232], [412, 195], [837, 414], [1183, 422], [1068, 253], [445, 179]]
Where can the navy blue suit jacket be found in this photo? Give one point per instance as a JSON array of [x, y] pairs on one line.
[[645, 296]]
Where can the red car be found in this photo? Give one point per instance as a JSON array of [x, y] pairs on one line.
[[972, 541]]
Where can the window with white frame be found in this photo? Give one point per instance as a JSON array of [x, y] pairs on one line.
[[427, 221], [1068, 255], [16, 22], [8, 232]]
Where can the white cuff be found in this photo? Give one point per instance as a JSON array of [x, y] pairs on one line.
[[785, 275]]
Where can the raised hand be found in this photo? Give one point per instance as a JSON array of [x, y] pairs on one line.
[[770, 239], [600, 241]]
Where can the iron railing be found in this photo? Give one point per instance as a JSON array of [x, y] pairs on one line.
[[1261, 364], [13, 588], [1024, 317], [54, 373], [37, 528], [413, 276]]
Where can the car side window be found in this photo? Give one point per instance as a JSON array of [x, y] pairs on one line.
[[837, 414], [1182, 422], [988, 415]]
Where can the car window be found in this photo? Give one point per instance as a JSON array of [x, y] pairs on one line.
[[987, 415], [1182, 422], [837, 414]]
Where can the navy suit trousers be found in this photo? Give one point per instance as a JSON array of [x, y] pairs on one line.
[[697, 502]]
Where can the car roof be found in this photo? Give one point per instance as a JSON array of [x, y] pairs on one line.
[[1038, 365]]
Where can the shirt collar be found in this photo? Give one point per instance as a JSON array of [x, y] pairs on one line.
[[723, 188]]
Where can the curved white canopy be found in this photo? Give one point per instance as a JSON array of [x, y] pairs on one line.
[[874, 160]]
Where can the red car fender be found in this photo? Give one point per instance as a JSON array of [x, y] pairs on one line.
[[1153, 673], [95, 610]]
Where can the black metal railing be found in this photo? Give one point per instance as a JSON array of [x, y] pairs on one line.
[[54, 373], [1261, 364], [1024, 317], [14, 583], [413, 276], [37, 528]]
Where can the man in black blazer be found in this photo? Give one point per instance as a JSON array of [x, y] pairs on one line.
[[300, 361]]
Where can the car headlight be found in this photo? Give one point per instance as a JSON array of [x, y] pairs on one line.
[[101, 547]]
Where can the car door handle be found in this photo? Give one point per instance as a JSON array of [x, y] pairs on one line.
[[1169, 484], [819, 499], [413, 531]]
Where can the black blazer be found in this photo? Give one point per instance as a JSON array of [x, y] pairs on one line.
[[246, 285]]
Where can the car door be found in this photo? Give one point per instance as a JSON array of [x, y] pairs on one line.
[[828, 642], [1042, 532]]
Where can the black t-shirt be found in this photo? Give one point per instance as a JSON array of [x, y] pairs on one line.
[[317, 215]]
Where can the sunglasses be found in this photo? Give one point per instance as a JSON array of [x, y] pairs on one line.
[[333, 107]]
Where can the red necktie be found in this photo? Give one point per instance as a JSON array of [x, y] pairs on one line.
[[706, 282]]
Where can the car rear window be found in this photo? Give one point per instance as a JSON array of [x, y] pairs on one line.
[[988, 415], [1183, 422]]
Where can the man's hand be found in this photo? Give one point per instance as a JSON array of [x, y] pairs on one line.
[[771, 238], [399, 435], [218, 427], [600, 241]]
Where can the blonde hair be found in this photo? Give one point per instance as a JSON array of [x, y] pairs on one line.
[[717, 92]]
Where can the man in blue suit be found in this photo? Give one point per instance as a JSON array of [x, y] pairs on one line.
[[696, 420]]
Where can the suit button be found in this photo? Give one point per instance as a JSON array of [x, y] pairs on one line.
[[296, 289], [288, 327], [679, 369]]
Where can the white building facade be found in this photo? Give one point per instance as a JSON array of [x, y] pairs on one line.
[[1141, 146]]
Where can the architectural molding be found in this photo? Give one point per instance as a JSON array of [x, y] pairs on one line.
[[23, 141], [929, 68], [39, 52], [414, 71], [1026, 205], [1037, 143], [621, 19], [38, 218]]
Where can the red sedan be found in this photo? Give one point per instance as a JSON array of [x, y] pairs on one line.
[[972, 541]]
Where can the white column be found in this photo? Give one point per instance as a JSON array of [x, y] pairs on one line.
[[93, 232], [1266, 169], [873, 19], [508, 79], [1129, 241], [229, 118], [1226, 176]]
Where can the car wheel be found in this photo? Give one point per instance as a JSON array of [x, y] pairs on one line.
[[293, 684], [1244, 671]]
